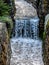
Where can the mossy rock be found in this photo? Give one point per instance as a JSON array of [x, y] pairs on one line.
[[46, 22], [8, 21], [47, 26]]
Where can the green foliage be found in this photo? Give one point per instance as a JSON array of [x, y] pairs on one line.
[[44, 35], [5, 11], [4, 8], [47, 26], [7, 19]]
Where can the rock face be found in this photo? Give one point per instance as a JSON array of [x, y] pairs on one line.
[[43, 10], [34, 2], [5, 49], [46, 42], [46, 51]]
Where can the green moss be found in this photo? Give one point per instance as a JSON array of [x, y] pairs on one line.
[[44, 35], [6, 19], [4, 8], [5, 11], [47, 26]]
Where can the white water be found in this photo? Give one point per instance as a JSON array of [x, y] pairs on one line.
[[26, 51], [26, 45], [24, 9], [27, 28]]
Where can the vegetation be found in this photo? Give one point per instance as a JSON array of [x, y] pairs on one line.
[[47, 26], [5, 10], [6, 19], [44, 35]]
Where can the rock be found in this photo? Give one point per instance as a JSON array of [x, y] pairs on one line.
[[46, 51], [5, 49], [46, 41], [24, 9], [43, 10], [46, 20], [34, 3]]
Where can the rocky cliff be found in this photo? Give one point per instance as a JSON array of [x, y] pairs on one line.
[[5, 49]]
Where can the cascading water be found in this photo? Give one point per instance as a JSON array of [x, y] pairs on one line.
[[27, 28], [26, 45]]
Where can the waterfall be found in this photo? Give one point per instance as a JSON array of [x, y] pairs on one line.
[[27, 28], [34, 24], [26, 45]]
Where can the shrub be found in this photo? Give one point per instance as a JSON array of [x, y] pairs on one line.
[[4, 8]]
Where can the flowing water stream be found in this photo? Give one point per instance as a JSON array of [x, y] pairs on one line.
[[27, 28], [26, 45]]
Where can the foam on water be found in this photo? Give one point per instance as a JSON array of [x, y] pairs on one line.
[[26, 51]]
